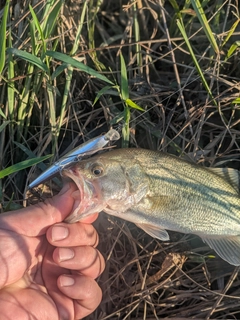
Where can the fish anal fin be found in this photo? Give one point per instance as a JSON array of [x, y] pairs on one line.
[[227, 248], [229, 174], [154, 232]]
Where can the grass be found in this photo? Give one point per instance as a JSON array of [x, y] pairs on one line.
[[165, 74]]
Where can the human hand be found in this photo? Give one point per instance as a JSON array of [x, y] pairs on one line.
[[48, 267]]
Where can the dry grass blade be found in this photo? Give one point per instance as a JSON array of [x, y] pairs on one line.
[[227, 287]]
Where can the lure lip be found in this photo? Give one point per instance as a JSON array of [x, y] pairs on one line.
[[87, 148]]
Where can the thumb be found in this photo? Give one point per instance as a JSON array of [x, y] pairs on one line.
[[34, 220]]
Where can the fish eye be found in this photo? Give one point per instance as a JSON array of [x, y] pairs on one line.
[[97, 170]]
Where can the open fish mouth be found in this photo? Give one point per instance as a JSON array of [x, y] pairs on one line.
[[88, 202]]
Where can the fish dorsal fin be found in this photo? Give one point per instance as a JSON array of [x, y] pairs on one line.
[[227, 248], [229, 174], [153, 231]]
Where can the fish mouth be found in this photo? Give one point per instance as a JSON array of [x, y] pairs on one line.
[[89, 201]]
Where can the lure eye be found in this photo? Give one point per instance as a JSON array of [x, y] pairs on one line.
[[97, 170]]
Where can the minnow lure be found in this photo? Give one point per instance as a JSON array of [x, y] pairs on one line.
[[88, 148]]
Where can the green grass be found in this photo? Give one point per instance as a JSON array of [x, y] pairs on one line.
[[166, 75]]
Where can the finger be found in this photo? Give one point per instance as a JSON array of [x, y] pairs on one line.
[[90, 219], [84, 290], [34, 220], [71, 235], [87, 260]]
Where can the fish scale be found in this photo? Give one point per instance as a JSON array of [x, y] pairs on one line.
[[160, 192]]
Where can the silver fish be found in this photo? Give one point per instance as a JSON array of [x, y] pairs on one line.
[[88, 148], [158, 191]]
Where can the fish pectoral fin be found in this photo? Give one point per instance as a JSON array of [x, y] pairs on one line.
[[227, 248], [154, 232]]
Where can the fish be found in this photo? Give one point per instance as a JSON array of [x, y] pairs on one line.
[[158, 192]]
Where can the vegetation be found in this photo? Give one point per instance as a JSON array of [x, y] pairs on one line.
[[163, 73]]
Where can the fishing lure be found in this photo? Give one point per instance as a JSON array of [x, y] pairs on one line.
[[88, 148]]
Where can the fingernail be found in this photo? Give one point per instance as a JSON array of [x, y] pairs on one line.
[[59, 233], [65, 254], [66, 281]]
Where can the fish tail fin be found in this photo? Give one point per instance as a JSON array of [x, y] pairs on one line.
[[227, 248]]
